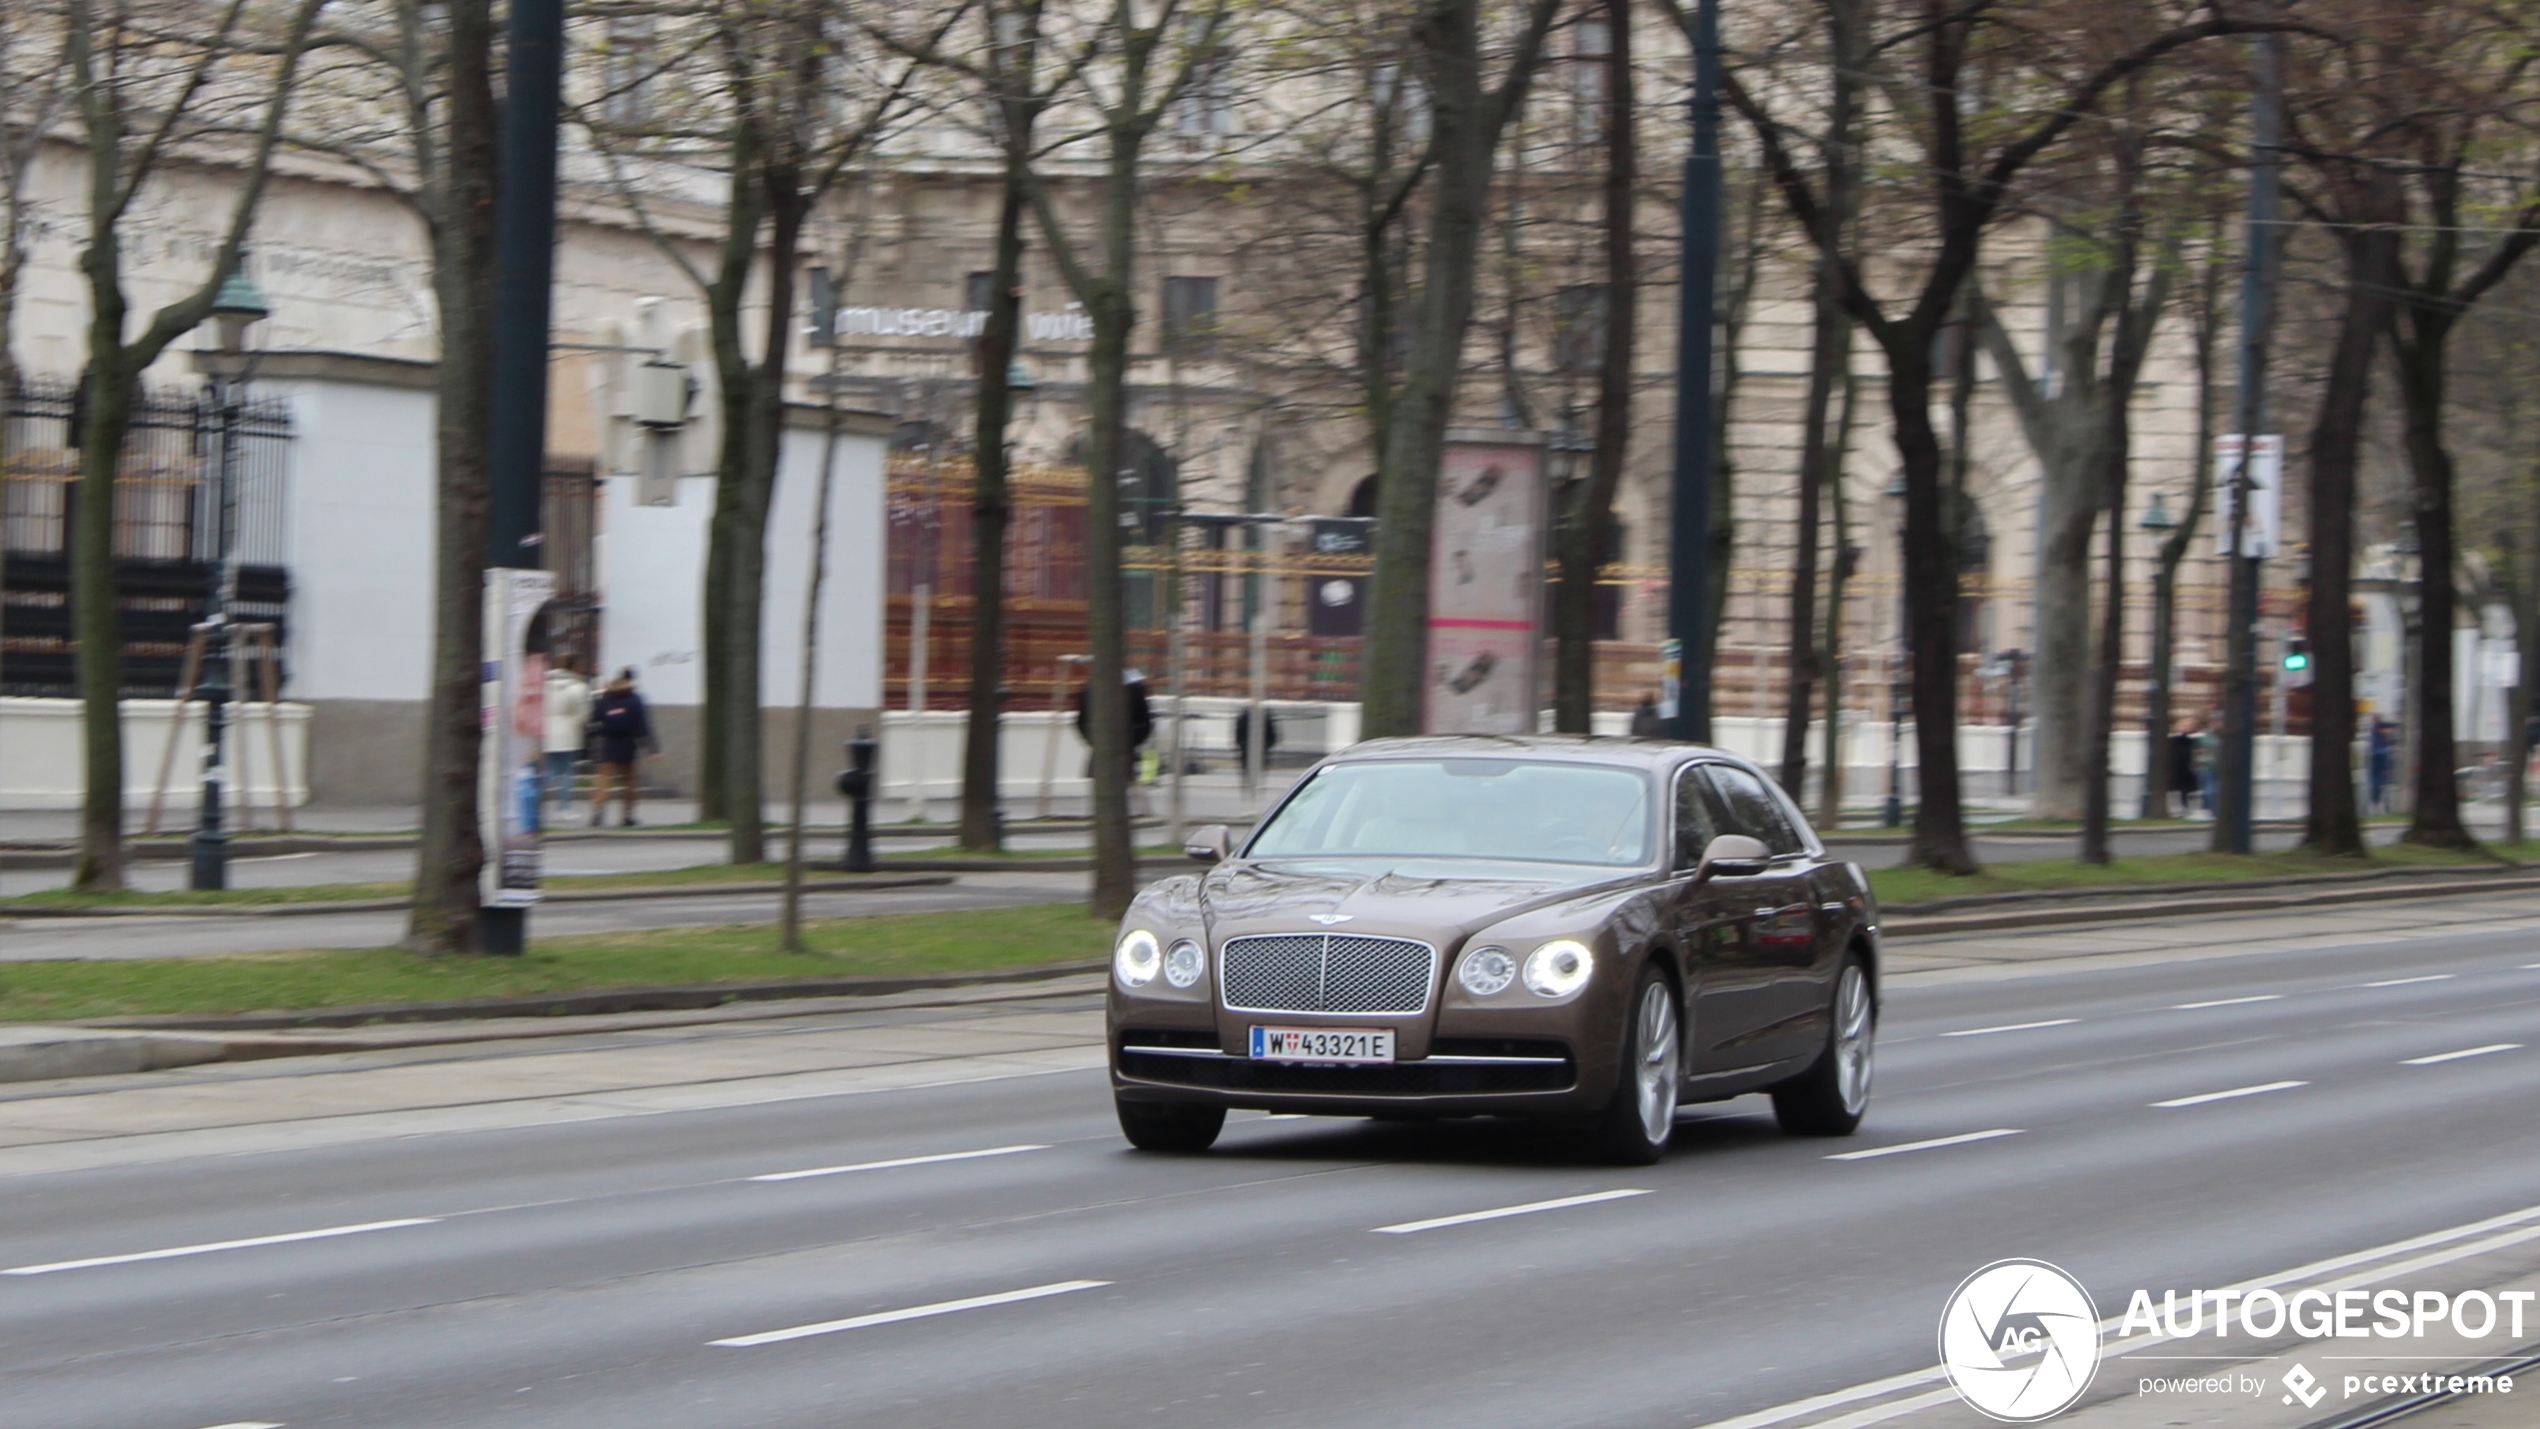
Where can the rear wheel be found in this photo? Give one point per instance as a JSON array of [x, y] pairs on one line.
[[1634, 1128], [1829, 1098], [1159, 1126]]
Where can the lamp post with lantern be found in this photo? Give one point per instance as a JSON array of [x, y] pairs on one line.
[[2157, 523], [236, 310]]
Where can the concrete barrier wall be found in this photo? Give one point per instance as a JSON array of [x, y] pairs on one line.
[[42, 754]]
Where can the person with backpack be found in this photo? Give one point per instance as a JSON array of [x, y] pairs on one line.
[[621, 730]]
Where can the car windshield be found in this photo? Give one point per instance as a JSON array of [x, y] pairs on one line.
[[1465, 808]]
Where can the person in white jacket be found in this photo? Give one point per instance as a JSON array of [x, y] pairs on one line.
[[568, 731]]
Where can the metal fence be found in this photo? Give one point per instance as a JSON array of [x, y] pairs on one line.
[[165, 538]]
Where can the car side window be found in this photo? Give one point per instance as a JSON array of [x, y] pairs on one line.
[[1699, 818], [1751, 810]]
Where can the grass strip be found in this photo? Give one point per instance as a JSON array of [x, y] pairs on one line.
[[1908, 885], [965, 940]]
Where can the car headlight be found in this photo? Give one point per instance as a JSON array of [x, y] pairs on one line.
[[1560, 967], [1136, 957], [1487, 971], [1183, 963]]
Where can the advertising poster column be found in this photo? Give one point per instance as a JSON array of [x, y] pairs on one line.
[[514, 722], [1486, 586]]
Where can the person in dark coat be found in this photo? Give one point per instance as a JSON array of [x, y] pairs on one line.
[[621, 733], [1645, 723], [1141, 720], [1243, 733], [2182, 752]]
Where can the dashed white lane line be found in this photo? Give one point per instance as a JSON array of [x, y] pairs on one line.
[[2259, 1090], [896, 1161], [2013, 1027], [2227, 1002], [207, 1248], [1469, 1217], [245, 1424], [2465, 1052], [2405, 981], [1936, 1142], [914, 1312]]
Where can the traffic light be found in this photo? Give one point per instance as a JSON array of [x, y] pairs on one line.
[[2297, 662]]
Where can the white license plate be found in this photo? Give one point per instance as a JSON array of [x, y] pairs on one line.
[[1322, 1044]]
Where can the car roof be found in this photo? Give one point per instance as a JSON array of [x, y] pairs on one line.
[[1625, 751]]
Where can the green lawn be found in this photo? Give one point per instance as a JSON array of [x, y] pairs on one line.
[[1919, 885], [961, 941], [704, 873]]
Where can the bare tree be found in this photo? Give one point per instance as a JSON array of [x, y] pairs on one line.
[[1972, 154], [763, 80], [1590, 517], [1467, 113], [148, 88], [33, 99]]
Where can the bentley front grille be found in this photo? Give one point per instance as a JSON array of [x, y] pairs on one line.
[[1324, 972]]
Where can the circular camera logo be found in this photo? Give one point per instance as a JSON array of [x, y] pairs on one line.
[[2020, 1340]]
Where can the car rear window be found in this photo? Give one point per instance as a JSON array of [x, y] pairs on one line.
[[1465, 808]]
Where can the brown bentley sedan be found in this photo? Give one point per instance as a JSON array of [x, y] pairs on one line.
[[1588, 929]]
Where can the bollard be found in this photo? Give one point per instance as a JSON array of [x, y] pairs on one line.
[[856, 783]]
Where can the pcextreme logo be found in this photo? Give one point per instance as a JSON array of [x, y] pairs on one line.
[[2020, 1340]]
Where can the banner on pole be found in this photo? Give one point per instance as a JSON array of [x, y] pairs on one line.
[[2265, 480], [1486, 588], [513, 721]]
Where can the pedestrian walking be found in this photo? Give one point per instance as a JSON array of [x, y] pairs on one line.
[[1645, 716], [2182, 772], [1141, 720], [2208, 764], [623, 731], [2381, 753], [568, 732]]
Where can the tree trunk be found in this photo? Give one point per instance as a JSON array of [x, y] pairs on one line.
[[2523, 595], [1584, 530], [450, 851], [991, 508], [1830, 786], [2436, 819], [1931, 604], [2372, 275], [744, 739], [745, 209], [1394, 662], [2157, 693], [1827, 341], [1106, 698], [106, 417], [2103, 693]]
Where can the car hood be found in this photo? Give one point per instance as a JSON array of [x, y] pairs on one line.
[[1435, 900]]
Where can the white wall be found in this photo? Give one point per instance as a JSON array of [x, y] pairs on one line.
[[42, 749], [361, 537], [652, 572]]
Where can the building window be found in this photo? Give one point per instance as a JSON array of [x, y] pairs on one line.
[[1578, 327], [626, 70], [1590, 75], [1206, 106], [1190, 311], [979, 293]]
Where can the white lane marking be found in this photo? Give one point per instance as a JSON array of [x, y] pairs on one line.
[[1938, 1141], [1469, 1217], [2261, 1088], [1282, 1116], [176, 1251], [914, 1312], [2405, 981], [2227, 1002], [2014, 1027], [2530, 967], [2456, 1056], [2460, 1247], [896, 1161], [247, 1423]]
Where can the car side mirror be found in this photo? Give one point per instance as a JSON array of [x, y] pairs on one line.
[[1733, 856], [1210, 843]]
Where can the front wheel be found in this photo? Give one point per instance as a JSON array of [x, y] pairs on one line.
[[1159, 1126], [1634, 1128], [1829, 1098]]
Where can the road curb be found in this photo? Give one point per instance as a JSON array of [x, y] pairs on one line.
[[1911, 926], [595, 1001], [841, 883], [2392, 876]]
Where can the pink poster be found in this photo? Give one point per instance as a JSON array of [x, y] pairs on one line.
[[1486, 586]]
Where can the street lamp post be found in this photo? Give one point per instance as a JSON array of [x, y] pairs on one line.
[[237, 308]]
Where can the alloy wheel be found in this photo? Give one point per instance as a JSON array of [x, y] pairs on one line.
[[1852, 1039], [1656, 1073]]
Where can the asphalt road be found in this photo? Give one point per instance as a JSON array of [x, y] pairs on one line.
[[631, 1272]]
